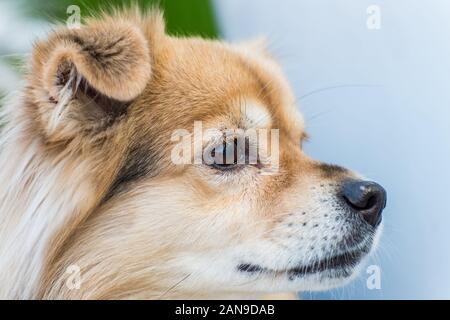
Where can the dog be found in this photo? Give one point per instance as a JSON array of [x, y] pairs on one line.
[[92, 205]]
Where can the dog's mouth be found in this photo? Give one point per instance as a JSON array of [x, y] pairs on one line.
[[342, 264]]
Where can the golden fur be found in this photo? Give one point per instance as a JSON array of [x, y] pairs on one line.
[[87, 178]]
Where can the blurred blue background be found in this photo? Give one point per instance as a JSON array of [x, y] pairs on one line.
[[375, 100]]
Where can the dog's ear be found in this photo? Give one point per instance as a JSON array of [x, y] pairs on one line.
[[83, 79], [256, 46]]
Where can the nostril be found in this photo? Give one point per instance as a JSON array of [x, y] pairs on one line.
[[367, 203], [364, 204], [373, 200], [365, 197]]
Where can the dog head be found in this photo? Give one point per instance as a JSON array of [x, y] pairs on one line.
[[126, 96]]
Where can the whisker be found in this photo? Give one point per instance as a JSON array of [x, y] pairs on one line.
[[175, 286], [339, 87]]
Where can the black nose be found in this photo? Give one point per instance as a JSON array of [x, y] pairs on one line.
[[367, 198]]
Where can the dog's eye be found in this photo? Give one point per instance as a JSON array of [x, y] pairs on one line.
[[228, 156], [234, 154]]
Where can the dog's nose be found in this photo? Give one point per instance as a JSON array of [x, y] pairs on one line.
[[367, 198]]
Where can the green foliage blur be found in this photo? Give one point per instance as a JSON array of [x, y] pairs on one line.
[[183, 17]]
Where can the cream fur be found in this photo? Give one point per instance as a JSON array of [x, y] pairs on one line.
[[87, 179]]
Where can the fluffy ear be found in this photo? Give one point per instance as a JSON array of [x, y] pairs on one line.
[[257, 46], [83, 79]]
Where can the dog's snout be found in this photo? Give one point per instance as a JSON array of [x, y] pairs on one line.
[[365, 197]]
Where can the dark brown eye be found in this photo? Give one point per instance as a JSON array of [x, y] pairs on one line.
[[234, 154], [226, 156]]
